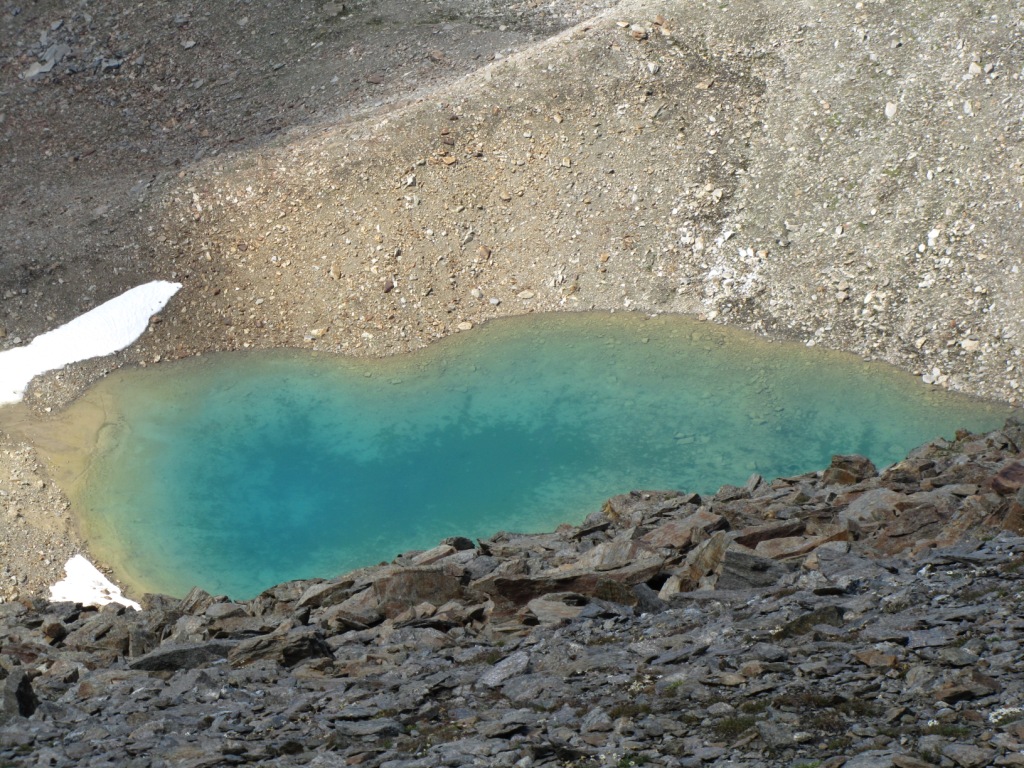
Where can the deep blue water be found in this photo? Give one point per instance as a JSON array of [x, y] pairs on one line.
[[239, 471]]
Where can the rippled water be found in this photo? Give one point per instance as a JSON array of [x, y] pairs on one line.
[[239, 471]]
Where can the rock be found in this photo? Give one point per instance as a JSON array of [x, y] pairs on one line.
[[847, 470], [17, 699], [743, 570], [511, 666], [1009, 479], [753, 535], [174, 656], [411, 586], [678, 534], [557, 607], [326, 593], [871, 507], [285, 648], [968, 755], [525, 295], [774, 735], [971, 685]]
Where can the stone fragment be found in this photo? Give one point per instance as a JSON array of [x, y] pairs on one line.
[[323, 594], [678, 534], [285, 648], [847, 470], [872, 657], [829, 614], [362, 608], [968, 755], [1009, 479], [753, 535], [971, 685], [411, 586], [744, 570], [872, 506], [557, 607], [611, 555], [512, 665], [174, 656], [703, 560], [17, 699], [774, 735], [633, 508]]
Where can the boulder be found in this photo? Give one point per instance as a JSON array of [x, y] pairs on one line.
[[286, 648], [174, 656]]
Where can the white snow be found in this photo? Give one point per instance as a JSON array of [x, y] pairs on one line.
[[108, 328], [86, 585]]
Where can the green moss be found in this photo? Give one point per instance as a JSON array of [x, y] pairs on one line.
[[731, 728], [949, 730]]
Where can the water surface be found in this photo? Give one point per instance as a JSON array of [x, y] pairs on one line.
[[239, 471]]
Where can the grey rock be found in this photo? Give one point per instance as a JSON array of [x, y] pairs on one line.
[[174, 656], [510, 666], [968, 755]]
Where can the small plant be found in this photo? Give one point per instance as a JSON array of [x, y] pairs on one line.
[[1005, 715], [626, 761], [839, 743], [673, 688], [754, 706], [731, 728], [949, 730], [630, 710]]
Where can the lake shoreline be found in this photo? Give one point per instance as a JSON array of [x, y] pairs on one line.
[[68, 456]]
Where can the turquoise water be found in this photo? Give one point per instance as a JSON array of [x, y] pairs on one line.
[[239, 471]]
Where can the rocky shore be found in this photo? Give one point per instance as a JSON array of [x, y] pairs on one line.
[[842, 617]]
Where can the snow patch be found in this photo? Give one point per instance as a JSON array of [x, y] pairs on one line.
[[108, 328], [86, 585]]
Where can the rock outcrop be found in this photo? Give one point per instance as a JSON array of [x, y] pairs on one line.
[[844, 617]]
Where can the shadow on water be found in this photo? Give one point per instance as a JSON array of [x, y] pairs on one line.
[[239, 471]]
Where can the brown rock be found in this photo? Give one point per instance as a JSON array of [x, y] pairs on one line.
[[362, 608], [755, 534], [796, 546], [704, 560], [515, 589], [678, 534], [872, 657], [411, 586], [326, 593], [631, 508], [973, 685], [1009, 479], [847, 470]]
